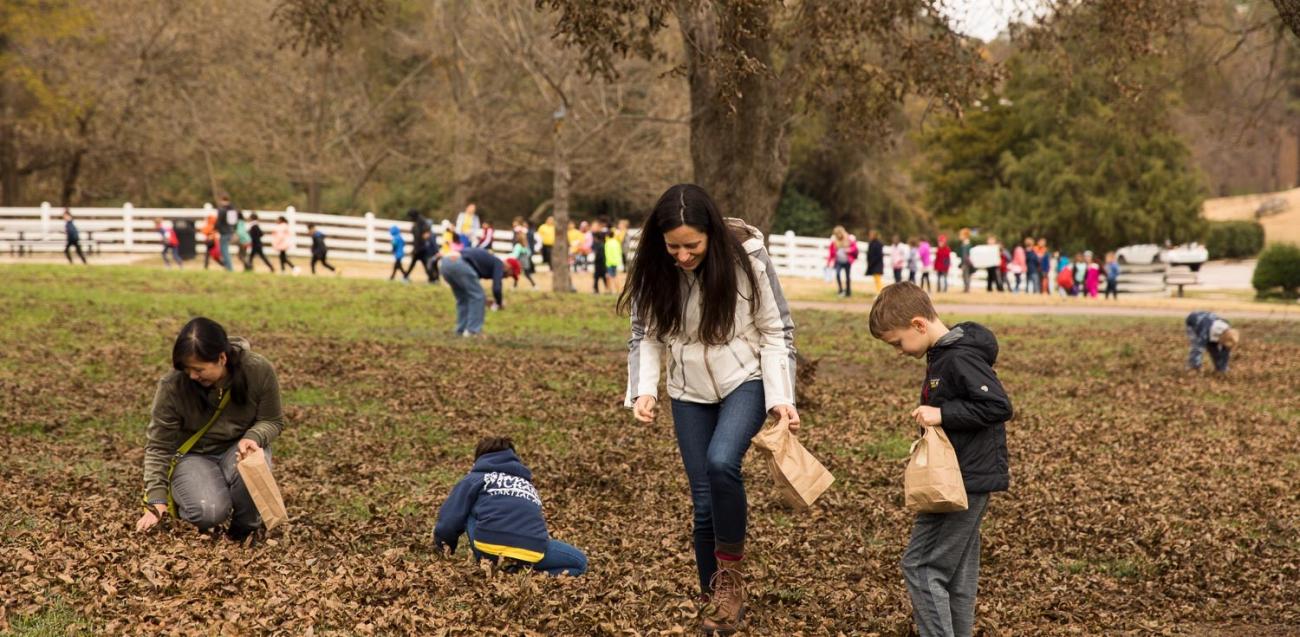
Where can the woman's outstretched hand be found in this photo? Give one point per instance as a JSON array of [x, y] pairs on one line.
[[789, 414], [151, 517], [646, 408]]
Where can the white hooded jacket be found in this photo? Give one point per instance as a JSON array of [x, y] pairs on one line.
[[761, 346]]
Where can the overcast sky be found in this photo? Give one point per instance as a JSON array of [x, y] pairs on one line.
[[984, 19]]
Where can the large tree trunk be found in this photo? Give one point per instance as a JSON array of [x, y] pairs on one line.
[[10, 179], [740, 156], [1289, 11], [561, 179], [313, 188]]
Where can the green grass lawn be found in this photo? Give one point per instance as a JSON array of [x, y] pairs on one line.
[[1143, 498]]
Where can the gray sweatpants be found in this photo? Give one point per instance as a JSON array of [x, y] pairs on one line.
[[942, 569], [208, 490]]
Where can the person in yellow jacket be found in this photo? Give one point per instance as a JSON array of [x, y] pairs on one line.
[[546, 232], [576, 238], [613, 261]]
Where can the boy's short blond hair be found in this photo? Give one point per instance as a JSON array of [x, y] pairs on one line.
[[897, 305], [1230, 338]]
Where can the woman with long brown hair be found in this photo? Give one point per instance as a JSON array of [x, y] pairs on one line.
[[704, 289]]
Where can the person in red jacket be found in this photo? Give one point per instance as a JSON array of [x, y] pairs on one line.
[[942, 263]]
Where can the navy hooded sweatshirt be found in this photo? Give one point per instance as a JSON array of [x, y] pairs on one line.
[[1199, 325], [960, 381], [498, 495]]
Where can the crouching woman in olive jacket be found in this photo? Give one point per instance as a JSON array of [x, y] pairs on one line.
[[223, 382]]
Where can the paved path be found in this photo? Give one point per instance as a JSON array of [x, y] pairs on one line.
[[1283, 313]]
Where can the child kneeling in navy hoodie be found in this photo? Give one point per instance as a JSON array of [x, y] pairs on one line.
[[498, 509]]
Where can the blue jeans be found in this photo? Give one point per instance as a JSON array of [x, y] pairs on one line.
[[559, 558], [713, 440], [225, 251], [847, 286], [208, 489], [470, 299]]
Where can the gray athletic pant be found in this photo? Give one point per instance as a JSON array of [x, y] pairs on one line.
[[942, 569], [208, 490]]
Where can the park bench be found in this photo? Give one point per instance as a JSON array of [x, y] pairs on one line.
[[18, 244], [1181, 278]]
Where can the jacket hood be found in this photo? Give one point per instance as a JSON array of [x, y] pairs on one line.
[[504, 461], [973, 337], [394, 230], [241, 343], [752, 238]]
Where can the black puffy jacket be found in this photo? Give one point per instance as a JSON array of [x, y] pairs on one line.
[[960, 381]]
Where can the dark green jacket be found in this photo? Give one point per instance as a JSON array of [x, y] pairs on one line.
[[177, 415]]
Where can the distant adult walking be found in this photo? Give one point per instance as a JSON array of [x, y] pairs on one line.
[[227, 221], [843, 252], [875, 258], [220, 403], [705, 290], [74, 238], [463, 270]]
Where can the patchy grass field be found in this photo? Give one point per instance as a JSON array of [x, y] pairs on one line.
[[1143, 500]]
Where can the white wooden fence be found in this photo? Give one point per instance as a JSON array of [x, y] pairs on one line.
[[131, 230], [366, 238]]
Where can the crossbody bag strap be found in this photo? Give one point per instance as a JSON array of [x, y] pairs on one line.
[[185, 448], [189, 444]]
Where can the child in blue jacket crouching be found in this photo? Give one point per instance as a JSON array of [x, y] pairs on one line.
[[499, 510]]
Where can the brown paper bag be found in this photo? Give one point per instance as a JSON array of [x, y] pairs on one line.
[[799, 476], [261, 485], [932, 480]]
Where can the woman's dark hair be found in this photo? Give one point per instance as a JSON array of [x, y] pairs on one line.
[[205, 340], [653, 274], [493, 443]]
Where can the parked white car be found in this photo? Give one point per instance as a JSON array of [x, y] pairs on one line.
[[1191, 255], [1141, 254]]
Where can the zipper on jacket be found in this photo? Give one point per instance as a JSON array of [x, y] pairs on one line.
[[717, 391]]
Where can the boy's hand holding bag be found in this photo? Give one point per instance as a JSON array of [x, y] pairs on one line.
[[799, 476], [262, 487], [932, 481]]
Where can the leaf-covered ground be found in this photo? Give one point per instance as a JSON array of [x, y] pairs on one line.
[[1144, 500]]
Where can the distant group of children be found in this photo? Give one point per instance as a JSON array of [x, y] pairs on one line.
[[1030, 268]]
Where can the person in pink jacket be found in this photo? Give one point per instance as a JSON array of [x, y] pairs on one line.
[[1092, 278], [282, 241], [926, 257], [843, 252], [1018, 266]]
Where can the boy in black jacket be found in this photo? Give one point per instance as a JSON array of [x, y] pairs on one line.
[[499, 510], [961, 393]]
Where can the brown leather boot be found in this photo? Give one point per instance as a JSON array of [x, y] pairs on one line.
[[726, 609]]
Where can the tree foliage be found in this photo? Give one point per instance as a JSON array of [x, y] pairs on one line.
[[754, 66], [1069, 156], [1278, 268], [1234, 239]]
